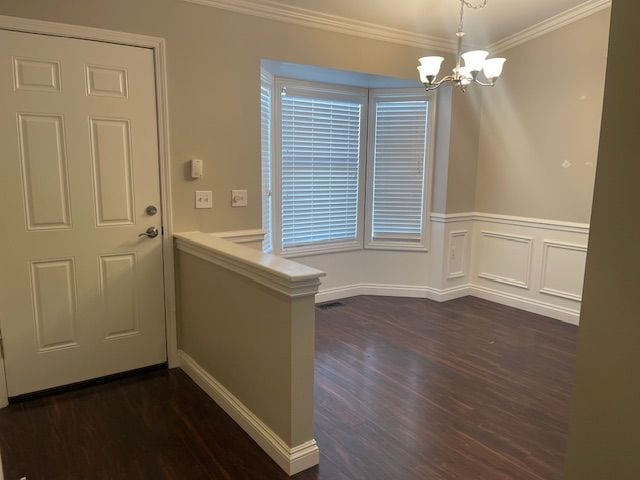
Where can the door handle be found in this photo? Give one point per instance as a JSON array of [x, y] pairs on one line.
[[151, 232]]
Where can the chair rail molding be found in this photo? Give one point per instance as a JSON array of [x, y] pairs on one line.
[[542, 223]]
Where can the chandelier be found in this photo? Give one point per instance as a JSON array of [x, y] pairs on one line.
[[475, 61]]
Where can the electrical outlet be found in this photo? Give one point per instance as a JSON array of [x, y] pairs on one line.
[[238, 198], [204, 199]]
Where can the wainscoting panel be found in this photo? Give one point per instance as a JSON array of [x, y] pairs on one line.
[[457, 259], [563, 269], [533, 264], [504, 258]]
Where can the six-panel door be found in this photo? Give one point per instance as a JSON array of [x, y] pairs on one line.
[[81, 293]]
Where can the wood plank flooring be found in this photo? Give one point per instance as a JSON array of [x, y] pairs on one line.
[[405, 389]]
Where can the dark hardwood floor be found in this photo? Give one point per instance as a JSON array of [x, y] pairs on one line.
[[405, 389]]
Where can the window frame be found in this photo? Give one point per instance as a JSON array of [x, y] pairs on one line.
[[267, 81], [328, 92], [423, 244]]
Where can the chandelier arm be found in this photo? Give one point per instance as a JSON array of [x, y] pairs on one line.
[[491, 84], [428, 87]]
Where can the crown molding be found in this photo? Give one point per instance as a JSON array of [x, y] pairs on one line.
[[333, 23], [274, 10], [550, 24]]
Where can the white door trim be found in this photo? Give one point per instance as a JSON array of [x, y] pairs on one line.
[[158, 46]]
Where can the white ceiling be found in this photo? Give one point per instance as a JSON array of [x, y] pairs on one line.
[[438, 18]]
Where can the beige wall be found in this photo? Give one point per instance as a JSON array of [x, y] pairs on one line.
[[604, 442], [213, 61], [463, 151], [544, 111]]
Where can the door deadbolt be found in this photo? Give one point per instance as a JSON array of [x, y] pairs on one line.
[[151, 210]]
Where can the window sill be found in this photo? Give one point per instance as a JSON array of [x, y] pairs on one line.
[[397, 246], [310, 250]]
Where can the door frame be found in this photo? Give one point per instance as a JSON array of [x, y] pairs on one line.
[[158, 46]]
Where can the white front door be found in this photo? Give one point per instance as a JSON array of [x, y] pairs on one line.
[[81, 294]]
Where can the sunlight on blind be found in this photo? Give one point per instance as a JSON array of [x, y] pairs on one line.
[[399, 162], [320, 169]]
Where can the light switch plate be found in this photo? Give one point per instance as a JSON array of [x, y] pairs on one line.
[[238, 198], [204, 199]]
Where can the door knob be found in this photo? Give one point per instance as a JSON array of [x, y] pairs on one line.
[[151, 232]]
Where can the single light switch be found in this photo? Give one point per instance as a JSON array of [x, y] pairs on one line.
[[238, 198], [204, 199], [197, 168]]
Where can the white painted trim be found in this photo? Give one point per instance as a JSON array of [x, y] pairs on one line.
[[312, 18], [274, 10], [409, 291], [533, 222], [331, 92], [164, 152], [452, 217], [291, 459], [505, 280], [337, 293], [462, 273], [27, 25], [284, 276], [511, 220], [550, 24], [529, 300], [543, 275], [158, 46], [241, 236], [567, 315], [424, 243]]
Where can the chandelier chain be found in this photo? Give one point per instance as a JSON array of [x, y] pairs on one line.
[[475, 6]]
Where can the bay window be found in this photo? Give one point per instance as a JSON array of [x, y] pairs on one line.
[[345, 168]]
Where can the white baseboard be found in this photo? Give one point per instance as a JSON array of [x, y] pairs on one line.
[[331, 294], [410, 291], [291, 459], [563, 314], [535, 306]]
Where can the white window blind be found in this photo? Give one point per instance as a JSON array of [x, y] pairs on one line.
[[320, 164], [399, 170], [265, 116]]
